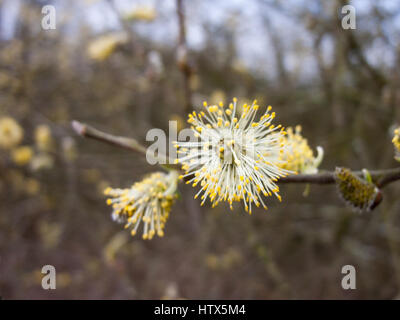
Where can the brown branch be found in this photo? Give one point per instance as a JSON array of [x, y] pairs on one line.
[[390, 176], [320, 178], [380, 177]]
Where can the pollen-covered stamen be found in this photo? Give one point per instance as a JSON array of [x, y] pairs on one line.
[[149, 200], [236, 158], [298, 155]]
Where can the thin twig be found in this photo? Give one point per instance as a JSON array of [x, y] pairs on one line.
[[121, 20], [380, 177], [87, 131], [138, 48], [182, 56]]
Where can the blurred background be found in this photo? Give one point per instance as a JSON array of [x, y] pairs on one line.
[[128, 66]]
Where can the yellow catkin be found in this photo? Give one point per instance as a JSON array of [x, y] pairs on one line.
[[148, 201], [355, 191], [11, 133], [297, 155]]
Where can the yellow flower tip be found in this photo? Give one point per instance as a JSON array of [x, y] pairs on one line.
[[205, 104], [22, 155], [133, 232], [234, 99]]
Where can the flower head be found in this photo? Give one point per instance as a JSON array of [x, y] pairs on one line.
[[298, 155], [11, 133], [234, 158], [396, 143], [149, 200], [358, 193]]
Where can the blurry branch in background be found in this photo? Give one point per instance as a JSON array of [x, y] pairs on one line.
[[182, 59], [354, 46], [278, 51], [123, 23], [380, 177], [182, 56], [126, 27]]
